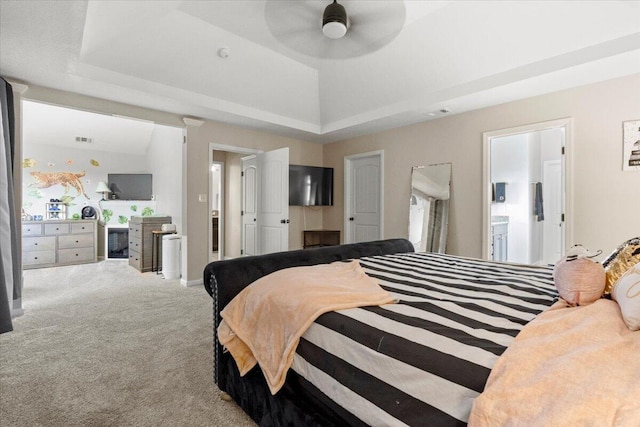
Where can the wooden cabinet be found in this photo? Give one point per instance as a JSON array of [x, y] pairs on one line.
[[58, 242], [141, 240], [316, 238]]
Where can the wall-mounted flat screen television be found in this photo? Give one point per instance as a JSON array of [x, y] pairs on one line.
[[310, 186], [131, 186]]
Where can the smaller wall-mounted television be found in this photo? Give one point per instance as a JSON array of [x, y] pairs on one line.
[[310, 186], [131, 186]]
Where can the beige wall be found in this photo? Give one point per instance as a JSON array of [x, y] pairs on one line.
[[606, 200], [606, 203]]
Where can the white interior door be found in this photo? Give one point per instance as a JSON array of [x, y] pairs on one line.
[[273, 201], [249, 206], [363, 194], [552, 226]]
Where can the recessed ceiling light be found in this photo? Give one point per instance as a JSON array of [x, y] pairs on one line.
[[223, 52]]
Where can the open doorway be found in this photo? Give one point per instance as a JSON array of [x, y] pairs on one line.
[[217, 195], [271, 220], [227, 199], [526, 193], [85, 176]]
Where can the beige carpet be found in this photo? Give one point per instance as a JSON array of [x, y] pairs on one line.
[[104, 345]]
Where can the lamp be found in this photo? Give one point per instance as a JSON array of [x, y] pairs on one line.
[[103, 188], [334, 21]]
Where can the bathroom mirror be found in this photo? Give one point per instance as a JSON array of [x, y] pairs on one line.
[[429, 207]]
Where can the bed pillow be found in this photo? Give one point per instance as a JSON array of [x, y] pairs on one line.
[[626, 292], [620, 260], [579, 281]]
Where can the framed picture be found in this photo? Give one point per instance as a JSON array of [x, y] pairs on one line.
[[631, 145]]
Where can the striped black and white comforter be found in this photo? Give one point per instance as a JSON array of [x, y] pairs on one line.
[[424, 360]]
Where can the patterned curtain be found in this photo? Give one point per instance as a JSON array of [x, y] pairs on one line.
[[10, 260]]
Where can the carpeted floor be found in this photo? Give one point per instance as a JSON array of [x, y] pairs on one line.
[[104, 345]]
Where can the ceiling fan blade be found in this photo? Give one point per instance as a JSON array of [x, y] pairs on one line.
[[298, 25]]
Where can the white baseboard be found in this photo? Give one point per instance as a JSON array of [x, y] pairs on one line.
[[16, 308], [17, 312], [188, 283]]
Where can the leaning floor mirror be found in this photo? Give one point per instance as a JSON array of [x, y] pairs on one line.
[[429, 207]]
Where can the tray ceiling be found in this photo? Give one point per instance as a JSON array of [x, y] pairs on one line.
[[457, 55]]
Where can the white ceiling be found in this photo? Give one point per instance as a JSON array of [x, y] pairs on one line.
[[66, 127], [460, 55]]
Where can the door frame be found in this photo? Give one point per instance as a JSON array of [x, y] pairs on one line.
[[567, 175], [221, 215], [348, 161]]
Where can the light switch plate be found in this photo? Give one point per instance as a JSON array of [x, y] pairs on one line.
[[202, 198]]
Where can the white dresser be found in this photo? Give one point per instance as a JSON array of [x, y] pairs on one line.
[[58, 242]]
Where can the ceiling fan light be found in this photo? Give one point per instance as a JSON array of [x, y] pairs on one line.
[[334, 21], [334, 30]]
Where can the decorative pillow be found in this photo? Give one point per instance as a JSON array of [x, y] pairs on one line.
[[620, 260], [579, 281], [626, 292]]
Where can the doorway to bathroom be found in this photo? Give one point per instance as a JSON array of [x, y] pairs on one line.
[[526, 193]]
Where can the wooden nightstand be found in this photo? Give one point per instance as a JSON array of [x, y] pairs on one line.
[[317, 238]]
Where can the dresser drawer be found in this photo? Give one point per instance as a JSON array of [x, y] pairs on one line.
[[75, 255], [38, 257], [31, 229], [83, 227], [75, 241], [55, 229], [135, 244], [135, 230], [41, 243], [134, 260]]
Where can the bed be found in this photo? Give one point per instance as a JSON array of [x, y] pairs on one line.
[[424, 360]]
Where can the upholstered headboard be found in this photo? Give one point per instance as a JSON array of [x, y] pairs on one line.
[[223, 280]]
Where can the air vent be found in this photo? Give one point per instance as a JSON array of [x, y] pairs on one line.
[[84, 140]]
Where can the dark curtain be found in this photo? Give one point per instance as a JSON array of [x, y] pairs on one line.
[[10, 261]]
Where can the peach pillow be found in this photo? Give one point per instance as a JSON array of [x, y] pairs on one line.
[[579, 281], [626, 292]]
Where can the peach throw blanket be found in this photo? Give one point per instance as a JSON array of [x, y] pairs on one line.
[[265, 321], [571, 366]]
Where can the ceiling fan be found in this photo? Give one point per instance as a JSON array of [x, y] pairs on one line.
[[329, 29]]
